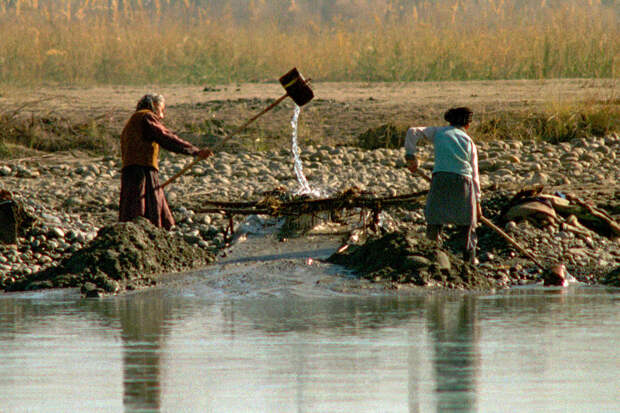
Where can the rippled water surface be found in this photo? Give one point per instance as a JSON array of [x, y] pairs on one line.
[[192, 349]]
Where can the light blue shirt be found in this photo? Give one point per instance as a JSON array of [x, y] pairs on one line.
[[455, 151]]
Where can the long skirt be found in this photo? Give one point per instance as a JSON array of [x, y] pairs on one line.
[[142, 197], [451, 200]]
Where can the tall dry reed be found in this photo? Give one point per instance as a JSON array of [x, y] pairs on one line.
[[193, 41]]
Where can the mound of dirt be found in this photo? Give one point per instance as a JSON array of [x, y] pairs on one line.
[[384, 136], [405, 258], [123, 256]]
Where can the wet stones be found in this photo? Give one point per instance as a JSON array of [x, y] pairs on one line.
[[443, 261], [555, 276], [14, 219]]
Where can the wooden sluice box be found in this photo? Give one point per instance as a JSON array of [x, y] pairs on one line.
[[303, 214]]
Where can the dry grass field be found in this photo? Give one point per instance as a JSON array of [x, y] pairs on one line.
[[72, 70], [132, 42]]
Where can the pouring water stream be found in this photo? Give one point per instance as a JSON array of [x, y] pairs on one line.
[[304, 187]]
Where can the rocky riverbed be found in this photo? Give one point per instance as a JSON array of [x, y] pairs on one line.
[[72, 197]]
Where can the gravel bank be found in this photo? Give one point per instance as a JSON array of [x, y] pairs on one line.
[[74, 196]]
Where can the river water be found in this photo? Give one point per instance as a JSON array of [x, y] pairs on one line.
[[193, 347]]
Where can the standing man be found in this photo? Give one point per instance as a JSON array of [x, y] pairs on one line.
[[454, 196], [141, 138]]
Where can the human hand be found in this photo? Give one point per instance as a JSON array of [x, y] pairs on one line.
[[412, 165], [204, 153], [479, 210]]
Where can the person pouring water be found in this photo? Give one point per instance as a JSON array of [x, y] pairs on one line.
[[143, 135], [454, 196]]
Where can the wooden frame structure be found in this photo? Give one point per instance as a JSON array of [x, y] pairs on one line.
[[276, 207]]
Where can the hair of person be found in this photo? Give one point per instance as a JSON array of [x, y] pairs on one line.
[[458, 116], [150, 101]]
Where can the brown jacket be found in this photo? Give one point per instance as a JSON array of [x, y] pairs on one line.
[[143, 135]]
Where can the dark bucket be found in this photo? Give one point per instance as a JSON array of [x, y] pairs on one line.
[[296, 87]]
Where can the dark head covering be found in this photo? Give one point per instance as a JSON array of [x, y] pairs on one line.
[[458, 116]]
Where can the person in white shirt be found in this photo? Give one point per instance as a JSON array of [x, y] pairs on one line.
[[454, 196]]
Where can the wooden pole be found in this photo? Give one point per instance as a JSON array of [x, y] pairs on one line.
[[511, 240], [218, 146]]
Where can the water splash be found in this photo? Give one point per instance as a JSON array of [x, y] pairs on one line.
[[304, 187]]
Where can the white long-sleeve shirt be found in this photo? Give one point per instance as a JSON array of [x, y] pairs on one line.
[[454, 151]]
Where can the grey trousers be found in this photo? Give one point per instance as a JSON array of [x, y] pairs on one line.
[[451, 200]]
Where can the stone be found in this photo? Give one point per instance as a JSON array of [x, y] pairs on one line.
[[90, 290], [443, 261], [56, 232], [555, 276], [612, 278], [418, 261]]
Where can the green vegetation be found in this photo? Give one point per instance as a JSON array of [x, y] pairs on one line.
[[222, 41]]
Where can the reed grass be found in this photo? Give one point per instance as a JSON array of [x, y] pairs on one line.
[[558, 122], [82, 42], [19, 135], [555, 123], [89, 42]]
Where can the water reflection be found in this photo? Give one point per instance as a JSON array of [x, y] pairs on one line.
[[142, 333], [350, 315], [450, 321], [336, 345], [453, 328], [142, 320], [176, 352]]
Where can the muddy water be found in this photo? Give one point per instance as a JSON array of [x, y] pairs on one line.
[[276, 330]]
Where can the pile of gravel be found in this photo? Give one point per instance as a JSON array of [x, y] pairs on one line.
[[123, 256], [407, 258], [401, 255]]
